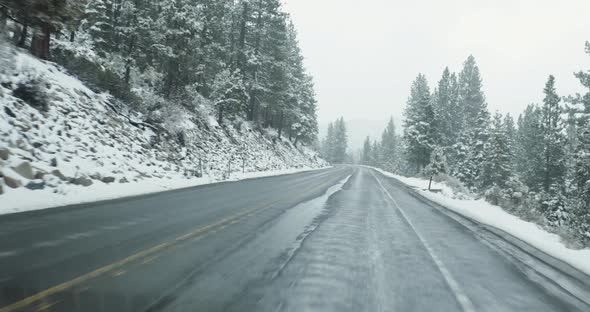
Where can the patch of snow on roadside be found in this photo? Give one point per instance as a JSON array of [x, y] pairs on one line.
[[20, 199]]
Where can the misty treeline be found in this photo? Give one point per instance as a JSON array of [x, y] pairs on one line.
[[234, 59], [334, 145], [537, 166]]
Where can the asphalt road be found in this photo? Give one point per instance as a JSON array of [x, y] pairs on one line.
[[341, 239]]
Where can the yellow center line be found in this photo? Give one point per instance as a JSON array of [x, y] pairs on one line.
[[149, 259], [138, 256], [45, 306]]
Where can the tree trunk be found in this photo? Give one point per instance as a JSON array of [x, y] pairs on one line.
[[220, 115], [266, 118], [547, 178], [46, 43], [280, 124], [41, 41], [22, 36], [3, 20], [430, 183], [35, 47], [252, 104], [72, 35], [241, 59], [127, 71], [128, 61]]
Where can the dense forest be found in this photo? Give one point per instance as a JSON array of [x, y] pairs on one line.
[[232, 59], [537, 166]]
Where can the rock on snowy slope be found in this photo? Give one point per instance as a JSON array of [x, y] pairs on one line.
[[55, 132]]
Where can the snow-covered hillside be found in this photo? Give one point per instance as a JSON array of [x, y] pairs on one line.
[[58, 137]]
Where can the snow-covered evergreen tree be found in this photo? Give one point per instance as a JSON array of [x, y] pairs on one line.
[[229, 94], [447, 109], [336, 142], [328, 143], [529, 147], [497, 167], [510, 128], [581, 176], [420, 125], [389, 148], [366, 152], [470, 147], [438, 164], [554, 141], [376, 154], [340, 141]]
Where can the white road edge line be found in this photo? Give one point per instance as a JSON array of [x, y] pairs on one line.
[[460, 295]]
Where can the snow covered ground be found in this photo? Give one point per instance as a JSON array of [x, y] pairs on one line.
[[483, 212], [62, 143], [22, 199]]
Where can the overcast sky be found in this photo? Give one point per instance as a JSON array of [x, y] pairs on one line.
[[364, 54]]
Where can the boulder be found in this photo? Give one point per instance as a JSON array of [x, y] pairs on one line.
[[4, 153], [12, 182], [84, 181], [123, 180], [58, 174], [39, 175], [53, 162], [25, 170], [1, 190], [37, 144], [36, 185], [108, 179]]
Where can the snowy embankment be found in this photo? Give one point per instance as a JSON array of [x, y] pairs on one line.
[[62, 143], [21, 199], [485, 213]]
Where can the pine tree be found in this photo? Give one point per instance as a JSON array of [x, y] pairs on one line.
[[419, 125], [229, 94], [471, 98], [529, 147], [366, 152], [498, 164], [510, 129], [581, 176], [469, 149], [335, 145], [328, 145], [389, 147], [376, 154], [99, 25], [437, 165], [340, 141], [447, 108], [553, 170]]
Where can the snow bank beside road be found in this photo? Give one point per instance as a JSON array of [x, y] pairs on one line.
[[483, 212], [22, 199]]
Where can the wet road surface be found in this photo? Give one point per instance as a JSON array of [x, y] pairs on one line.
[[341, 239]]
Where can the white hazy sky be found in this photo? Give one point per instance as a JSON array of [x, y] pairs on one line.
[[364, 54]]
